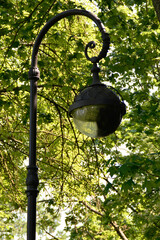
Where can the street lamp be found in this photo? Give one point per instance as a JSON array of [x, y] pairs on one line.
[[97, 111]]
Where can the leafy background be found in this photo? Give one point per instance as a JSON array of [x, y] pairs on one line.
[[107, 188]]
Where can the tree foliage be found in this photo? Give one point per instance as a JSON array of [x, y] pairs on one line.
[[107, 187]]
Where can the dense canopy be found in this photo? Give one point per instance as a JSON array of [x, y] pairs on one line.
[[105, 188]]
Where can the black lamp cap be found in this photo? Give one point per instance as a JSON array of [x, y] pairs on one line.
[[97, 94]]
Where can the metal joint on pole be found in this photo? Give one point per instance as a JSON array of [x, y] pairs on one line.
[[34, 73], [32, 181]]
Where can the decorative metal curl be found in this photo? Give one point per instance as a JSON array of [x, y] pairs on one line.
[[91, 45], [103, 53]]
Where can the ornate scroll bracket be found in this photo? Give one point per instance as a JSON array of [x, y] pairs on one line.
[[103, 53], [95, 69]]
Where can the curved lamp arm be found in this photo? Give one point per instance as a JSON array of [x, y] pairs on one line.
[[34, 74]]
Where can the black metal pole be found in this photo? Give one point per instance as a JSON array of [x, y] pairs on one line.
[[34, 74], [32, 177]]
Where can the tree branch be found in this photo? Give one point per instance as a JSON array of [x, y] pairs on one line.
[[119, 230], [53, 237], [114, 224]]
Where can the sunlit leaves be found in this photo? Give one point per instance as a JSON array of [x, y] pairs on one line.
[[100, 183]]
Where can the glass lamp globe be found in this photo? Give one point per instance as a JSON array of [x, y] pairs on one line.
[[97, 111]]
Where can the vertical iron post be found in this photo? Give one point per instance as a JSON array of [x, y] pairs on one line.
[[32, 176]]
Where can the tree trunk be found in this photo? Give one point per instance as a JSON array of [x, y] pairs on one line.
[[156, 4]]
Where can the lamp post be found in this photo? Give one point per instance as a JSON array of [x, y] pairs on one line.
[[97, 110]]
